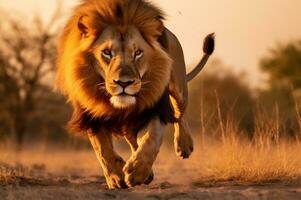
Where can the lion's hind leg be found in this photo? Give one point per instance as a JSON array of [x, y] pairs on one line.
[[183, 142]]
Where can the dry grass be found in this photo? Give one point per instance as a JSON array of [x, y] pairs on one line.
[[9, 175], [36, 165], [236, 159], [269, 156]]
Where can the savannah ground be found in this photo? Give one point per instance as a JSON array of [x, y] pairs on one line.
[[224, 168]]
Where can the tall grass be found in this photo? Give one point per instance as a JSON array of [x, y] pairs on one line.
[[269, 155], [237, 159]]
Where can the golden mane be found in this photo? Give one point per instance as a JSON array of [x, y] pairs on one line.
[[76, 78]]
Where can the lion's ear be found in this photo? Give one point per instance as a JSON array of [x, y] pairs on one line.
[[83, 26], [162, 39], [159, 28]]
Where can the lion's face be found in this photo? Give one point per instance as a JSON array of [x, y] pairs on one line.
[[122, 59]]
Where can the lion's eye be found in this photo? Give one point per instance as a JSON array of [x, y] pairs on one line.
[[138, 54], [107, 53]]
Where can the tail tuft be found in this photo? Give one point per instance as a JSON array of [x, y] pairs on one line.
[[209, 44], [208, 49]]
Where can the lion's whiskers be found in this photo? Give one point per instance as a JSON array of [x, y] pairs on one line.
[[101, 84], [111, 84], [101, 87], [145, 83], [103, 90]]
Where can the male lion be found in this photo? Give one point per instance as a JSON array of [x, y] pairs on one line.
[[124, 74]]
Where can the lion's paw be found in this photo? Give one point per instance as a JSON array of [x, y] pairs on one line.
[[115, 181], [183, 145], [138, 172], [115, 176]]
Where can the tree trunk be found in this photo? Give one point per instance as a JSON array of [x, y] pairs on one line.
[[19, 130]]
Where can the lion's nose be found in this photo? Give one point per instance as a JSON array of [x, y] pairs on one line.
[[124, 84]]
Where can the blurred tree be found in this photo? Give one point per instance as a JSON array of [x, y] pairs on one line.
[[217, 85], [27, 57], [284, 65]]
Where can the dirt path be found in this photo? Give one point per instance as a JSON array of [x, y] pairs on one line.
[[93, 187]]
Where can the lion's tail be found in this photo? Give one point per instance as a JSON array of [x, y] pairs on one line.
[[208, 48]]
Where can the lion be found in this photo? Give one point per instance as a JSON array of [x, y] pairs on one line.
[[124, 74]]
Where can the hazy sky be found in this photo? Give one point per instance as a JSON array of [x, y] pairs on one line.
[[245, 29]]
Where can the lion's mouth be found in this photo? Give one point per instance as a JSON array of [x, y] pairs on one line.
[[123, 100], [126, 94]]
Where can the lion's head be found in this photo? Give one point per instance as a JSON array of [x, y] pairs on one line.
[[110, 59]]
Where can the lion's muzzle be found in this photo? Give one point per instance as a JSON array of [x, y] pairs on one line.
[[124, 92]]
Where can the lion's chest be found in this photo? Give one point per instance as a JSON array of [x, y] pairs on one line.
[[134, 122], [131, 124], [124, 122]]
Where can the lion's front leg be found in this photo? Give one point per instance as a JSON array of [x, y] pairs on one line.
[[183, 142], [111, 163], [132, 141], [138, 168]]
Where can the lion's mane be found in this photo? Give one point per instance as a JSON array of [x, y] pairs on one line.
[[76, 77]]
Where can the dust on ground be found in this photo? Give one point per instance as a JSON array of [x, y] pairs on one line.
[[94, 187]]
